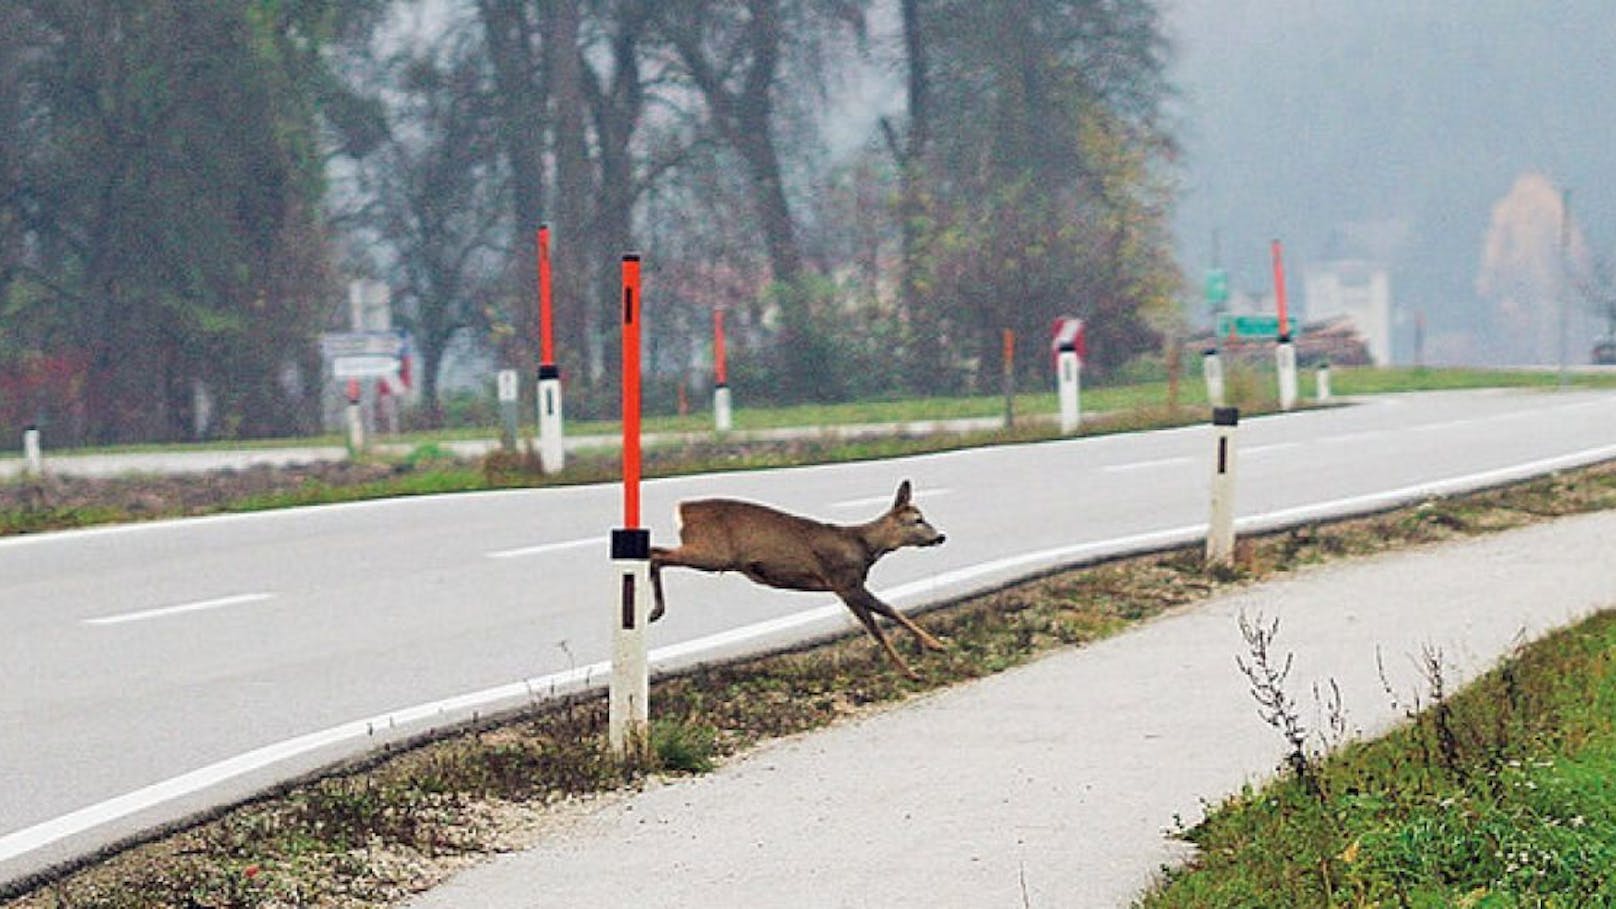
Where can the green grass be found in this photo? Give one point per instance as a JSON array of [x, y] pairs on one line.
[[1503, 795]]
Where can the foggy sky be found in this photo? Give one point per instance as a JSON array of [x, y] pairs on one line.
[[1388, 129]]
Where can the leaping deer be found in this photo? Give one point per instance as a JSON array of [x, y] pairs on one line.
[[796, 553]]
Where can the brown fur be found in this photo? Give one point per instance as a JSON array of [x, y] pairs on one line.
[[783, 550]]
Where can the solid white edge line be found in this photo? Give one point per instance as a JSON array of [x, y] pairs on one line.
[[40, 835], [164, 611]]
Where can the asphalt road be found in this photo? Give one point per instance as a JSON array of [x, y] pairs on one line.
[[151, 670]]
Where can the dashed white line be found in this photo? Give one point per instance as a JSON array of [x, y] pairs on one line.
[[887, 499], [543, 548], [165, 611], [1353, 436], [1145, 465]]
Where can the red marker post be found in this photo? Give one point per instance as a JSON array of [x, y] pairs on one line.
[[552, 442], [1285, 352], [629, 696], [721, 401], [1009, 361]]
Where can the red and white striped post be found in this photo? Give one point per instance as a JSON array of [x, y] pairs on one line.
[[1284, 352], [628, 707], [552, 442], [721, 402]]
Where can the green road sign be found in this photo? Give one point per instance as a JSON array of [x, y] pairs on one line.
[[1252, 326], [1217, 287]]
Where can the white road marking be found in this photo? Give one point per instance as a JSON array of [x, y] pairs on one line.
[[1269, 449], [543, 548], [1145, 465], [40, 835], [887, 499], [1353, 436], [165, 611]]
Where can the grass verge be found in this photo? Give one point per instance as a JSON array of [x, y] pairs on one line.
[[1501, 795], [370, 834]]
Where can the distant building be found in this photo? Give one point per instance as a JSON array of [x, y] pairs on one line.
[[1357, 290]]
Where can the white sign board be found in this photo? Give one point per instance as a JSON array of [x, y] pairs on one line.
[[507, 385], [361, 343], [365, 366]]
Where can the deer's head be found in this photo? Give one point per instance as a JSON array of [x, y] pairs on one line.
[[904, 525]]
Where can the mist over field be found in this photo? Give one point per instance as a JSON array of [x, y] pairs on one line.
[[1436, 138]]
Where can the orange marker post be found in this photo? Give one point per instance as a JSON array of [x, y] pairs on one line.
[[552, 443], [1279, 289], [1009, 360], [721, 400], [628, 709], [631, 390], [720, 369], [1285, 352], [546, 334]]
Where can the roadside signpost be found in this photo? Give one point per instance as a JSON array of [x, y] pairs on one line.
[[1255, 325], [628, 712]]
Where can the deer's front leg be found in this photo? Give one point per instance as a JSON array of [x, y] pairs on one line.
[[875, 604], [862, 612]]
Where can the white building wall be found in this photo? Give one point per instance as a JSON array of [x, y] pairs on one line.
[[1359, 290]]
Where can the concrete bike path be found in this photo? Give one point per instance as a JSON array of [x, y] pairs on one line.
[[1054, 784]]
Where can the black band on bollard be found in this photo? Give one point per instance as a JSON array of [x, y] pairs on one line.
[[1210, 352], [549, 371], [1225, 416], [631, 543], [718, 385], [1068, 347], [1285, 338]]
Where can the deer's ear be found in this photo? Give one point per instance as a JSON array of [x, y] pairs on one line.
[[903, 495]]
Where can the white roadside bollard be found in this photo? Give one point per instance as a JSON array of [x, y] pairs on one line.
[[356, 420], [1067, 368], [1220, 531], [1285, 358], [1212, 369], [628, 709], [721, 408], [33, 462], [508, 389], [552, 444], [1324, 383]]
